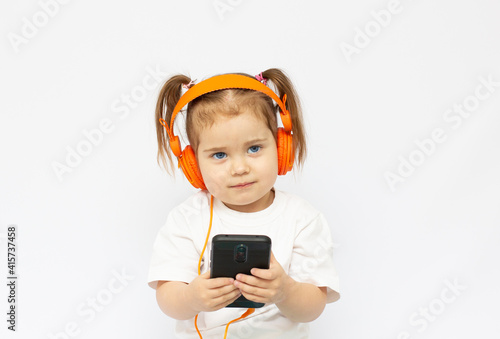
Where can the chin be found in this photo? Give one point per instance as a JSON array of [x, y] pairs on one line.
[[242, 203], [247, 203]]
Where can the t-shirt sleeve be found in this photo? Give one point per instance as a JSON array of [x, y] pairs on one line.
[[312, 257], [175, 257]]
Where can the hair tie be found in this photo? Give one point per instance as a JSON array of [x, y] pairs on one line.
[[261, 78], [189, 85]]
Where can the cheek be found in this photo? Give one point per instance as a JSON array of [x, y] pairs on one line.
[[213, 179], [273, 162], [267, 167], [211, 176]]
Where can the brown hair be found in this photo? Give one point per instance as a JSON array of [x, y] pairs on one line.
[[203, 111]]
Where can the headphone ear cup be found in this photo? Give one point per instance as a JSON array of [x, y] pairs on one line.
[[286, 154], [190, 168]]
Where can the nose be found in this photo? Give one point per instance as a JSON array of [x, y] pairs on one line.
[[239, 166]]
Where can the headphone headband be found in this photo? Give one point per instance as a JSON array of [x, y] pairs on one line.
[[218, 82]]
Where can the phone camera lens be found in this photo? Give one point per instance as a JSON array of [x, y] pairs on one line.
[[240, 253]]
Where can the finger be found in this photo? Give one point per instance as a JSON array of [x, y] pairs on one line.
[[233, 297], [253, 293], [263, 274], [247, 279], [219, 296], [227, 299], [255, 298], [226, 290], [219, 282], [252, 285], [267, 274]]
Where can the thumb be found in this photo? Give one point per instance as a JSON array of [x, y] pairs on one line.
[[273, 259], [273, 262], [205, 275]]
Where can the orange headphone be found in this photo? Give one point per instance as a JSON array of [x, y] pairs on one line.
[[187, 158]]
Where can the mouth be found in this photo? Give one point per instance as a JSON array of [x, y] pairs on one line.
[[243, 185]]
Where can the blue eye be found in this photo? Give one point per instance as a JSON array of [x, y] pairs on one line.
[[219, 155], [254, 149]]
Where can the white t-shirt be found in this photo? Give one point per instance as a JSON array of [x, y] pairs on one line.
[[301, 243]]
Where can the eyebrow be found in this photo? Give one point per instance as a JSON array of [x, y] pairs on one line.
[[223, 148]]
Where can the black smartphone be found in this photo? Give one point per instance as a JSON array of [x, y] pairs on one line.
[[239, 253]]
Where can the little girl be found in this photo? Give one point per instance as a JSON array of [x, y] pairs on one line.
[[235, 154]]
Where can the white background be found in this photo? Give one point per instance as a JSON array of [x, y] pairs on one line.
[[397, 250]]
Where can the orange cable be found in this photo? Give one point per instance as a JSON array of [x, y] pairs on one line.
[[244, 315], [202, 252]]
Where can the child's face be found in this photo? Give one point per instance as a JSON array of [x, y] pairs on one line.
[[238, 160]]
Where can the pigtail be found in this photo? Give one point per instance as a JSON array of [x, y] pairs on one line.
[[167, 99], [284, 85]]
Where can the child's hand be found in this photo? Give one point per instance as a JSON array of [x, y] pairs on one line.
[[207, 295], [265, 286]]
